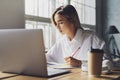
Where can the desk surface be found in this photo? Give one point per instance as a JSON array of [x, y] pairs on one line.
[[76, 74]]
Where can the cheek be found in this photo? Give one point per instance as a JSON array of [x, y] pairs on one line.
[[64, 26]]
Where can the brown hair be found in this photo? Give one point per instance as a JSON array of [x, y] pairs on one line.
[[70, 13]]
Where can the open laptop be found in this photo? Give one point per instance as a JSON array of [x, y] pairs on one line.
[[22, 51]]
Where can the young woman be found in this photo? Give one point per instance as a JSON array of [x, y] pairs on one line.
[[76, 41]]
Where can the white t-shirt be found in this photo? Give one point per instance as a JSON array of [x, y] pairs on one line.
[[65, 48]]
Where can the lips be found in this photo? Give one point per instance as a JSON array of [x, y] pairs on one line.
[[60, 31]]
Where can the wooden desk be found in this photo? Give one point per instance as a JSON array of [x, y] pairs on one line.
[[76, 74]]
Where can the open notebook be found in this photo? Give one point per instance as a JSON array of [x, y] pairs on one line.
[[22, 51], [59, 65]]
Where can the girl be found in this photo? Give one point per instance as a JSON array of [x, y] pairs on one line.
[[76, 41]]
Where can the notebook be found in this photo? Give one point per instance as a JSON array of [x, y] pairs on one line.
[[22, 52]]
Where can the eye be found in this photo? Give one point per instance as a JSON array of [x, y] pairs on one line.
[[61, 22]]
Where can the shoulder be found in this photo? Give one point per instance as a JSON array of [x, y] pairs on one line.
[[91, 34], [88, 33]]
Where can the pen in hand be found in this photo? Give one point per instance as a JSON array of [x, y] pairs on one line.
[[75, 52], [72, 61]]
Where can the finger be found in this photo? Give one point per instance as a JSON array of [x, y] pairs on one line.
[[66, 58]]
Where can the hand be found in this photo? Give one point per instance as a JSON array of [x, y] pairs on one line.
[[73, 62]]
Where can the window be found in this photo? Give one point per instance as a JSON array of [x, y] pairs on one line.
[[38, 14], [42, 8], [46, 27], [86, 10]]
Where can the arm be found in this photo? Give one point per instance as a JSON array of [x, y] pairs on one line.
[[54, 54]]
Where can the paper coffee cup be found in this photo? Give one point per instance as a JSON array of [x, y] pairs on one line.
[[95, 57]]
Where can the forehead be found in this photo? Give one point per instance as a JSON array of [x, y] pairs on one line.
[[59, 17]]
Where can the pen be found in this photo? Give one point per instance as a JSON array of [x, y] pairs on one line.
[[75, 52]]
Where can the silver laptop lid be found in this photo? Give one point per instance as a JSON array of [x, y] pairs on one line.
[[21, 50]]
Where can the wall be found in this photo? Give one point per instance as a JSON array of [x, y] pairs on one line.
[[12, 14], [111, 14], [108, 14]]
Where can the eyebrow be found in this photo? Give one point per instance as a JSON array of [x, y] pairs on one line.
[[60, 20]]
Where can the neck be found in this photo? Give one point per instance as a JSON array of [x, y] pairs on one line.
[[71, 35]]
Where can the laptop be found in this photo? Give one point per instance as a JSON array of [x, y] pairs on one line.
[[22, 52]]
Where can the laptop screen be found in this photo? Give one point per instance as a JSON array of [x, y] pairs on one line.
[[22, 51]]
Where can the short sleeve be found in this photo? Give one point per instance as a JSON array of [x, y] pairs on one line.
[[97, 42]]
